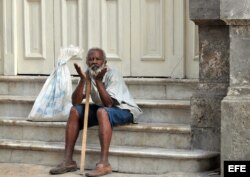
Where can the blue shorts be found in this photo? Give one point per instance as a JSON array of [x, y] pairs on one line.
[[116, 115]]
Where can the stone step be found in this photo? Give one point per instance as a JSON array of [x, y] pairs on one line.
[[129, 159], [142, 88], [143, 134], [158, 111]]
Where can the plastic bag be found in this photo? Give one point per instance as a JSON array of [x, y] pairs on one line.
[[54, 100]]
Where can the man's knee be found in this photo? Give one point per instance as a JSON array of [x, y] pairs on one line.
[[74, 113], [101, 112]]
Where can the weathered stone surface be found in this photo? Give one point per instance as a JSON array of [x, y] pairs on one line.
[[214, 68], [235, 129], [232, 9], [206, 120], [163, 160], [212, 87], [204, 12], [206, 138], [235, 122], [239, 56], [214, 54], [206, 111], [216, 89], [204, 9]]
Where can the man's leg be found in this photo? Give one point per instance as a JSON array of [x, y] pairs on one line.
[[71, 134], [105, 134]]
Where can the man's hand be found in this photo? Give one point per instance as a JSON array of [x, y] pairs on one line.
[[101, 74], [82, 74]]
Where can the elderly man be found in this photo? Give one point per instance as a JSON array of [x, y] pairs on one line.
[[113, 105]]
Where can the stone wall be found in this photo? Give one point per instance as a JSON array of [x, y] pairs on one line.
[[213, 83], [213, 74], [235, 123], [221, 106]]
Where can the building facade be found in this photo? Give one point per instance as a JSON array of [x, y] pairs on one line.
[[151, 38]]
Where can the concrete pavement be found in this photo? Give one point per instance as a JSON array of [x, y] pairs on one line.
[[30, 170]]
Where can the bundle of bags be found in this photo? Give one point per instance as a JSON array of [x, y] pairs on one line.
[[54, 100]]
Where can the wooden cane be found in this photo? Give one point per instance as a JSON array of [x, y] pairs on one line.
[[85, 127]]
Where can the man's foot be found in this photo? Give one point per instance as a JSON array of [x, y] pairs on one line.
[[63, 168], [100, 170]]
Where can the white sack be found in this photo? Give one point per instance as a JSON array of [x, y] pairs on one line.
[[54, 100]]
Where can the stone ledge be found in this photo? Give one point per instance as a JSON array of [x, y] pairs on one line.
[[141, 102], [140, 127], [164, 103], [129, 80], [130, 151]]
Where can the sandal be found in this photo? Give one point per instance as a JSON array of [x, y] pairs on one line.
[[100, 170], [63, 168]]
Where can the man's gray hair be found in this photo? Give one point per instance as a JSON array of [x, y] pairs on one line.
[[97, 49]]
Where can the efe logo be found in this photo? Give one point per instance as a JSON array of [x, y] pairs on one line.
[[236, 168]]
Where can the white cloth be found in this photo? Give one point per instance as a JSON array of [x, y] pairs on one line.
[[117, 89]]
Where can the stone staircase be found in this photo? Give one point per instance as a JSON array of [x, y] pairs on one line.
[[160, 143]]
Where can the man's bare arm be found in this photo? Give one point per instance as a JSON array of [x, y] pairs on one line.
[[78, 94]]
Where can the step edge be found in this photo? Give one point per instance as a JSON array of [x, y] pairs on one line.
[[140, 127], [141, 102], [114, 150], [132, 80]]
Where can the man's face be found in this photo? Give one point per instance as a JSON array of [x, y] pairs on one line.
[[95, 62]]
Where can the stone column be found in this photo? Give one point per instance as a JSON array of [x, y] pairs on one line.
[[213, 74], [235, 123]]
